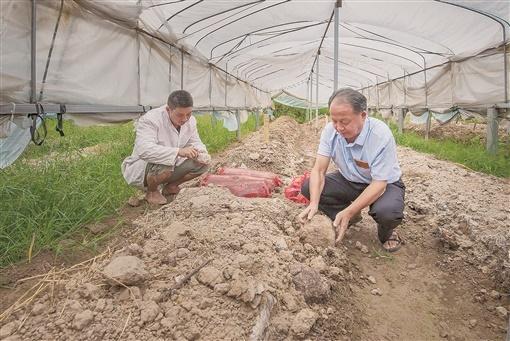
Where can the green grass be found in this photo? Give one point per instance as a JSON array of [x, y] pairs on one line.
[[298, 114], [217, 138], [471, 154], [60, 190]]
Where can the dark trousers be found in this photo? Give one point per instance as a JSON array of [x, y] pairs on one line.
[[338, 193]]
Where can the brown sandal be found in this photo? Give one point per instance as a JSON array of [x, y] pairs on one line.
[[396, 238]]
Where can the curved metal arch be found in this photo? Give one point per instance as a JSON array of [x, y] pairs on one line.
[[380, 35], [179, 12], [258, 30], [344, 63], [262, 40], [220, 13], [216, 22], [398, 44], [166, 3], [267, 74], [351, 71], [331, 80], [244, 16], [257, 70], [382, 51]]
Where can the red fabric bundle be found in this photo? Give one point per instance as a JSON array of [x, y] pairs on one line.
[[293, 192], [241, 186], [250, 172]]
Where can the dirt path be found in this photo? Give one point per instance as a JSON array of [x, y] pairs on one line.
[[423, 293], [451, 280]]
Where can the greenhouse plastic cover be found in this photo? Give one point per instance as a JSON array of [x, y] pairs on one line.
[[129, 52]]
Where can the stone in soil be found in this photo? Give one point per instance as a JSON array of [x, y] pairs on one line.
[[314, 287], [303, 322], [210, 276], [318, 232], [128, 270], [502, 311], [376, 292], [83, 319]]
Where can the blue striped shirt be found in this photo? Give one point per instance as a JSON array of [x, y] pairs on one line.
[[372, 156]]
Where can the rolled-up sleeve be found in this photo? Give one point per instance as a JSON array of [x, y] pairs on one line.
[[148, 148], [325, 143]]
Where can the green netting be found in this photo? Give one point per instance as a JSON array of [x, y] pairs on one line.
[[292, 101]]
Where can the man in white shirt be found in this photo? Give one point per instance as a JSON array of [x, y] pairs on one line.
[[168, 150], [364, 151]]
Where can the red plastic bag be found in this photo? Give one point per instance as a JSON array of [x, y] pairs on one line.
[[293, 192], [250, 172], [241, 186]]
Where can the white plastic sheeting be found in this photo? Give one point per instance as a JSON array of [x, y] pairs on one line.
[[131, 52]]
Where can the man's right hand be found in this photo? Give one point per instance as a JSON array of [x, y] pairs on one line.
[[188, 152], [308, 213]]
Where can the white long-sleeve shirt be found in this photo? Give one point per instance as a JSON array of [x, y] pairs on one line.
[[158, 141]]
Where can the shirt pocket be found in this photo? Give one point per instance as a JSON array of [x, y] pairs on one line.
[[363, 167]]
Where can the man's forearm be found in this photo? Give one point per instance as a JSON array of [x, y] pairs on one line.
[[368, 196], [316, 186]]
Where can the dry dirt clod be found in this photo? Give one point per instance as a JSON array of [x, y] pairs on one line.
[[376, 292], [127, 270], [318, 232], [149, 311], [8, 329], [303, 322], [443, 329], [314, 287], [502, 311], [210, 276], [83, 319]]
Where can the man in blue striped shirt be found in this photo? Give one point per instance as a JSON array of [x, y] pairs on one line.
[[364, 151]]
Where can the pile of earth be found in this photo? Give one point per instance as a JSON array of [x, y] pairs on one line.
[[253, 251]]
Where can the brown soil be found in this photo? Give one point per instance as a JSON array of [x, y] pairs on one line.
[[439, 285], [460, 131]]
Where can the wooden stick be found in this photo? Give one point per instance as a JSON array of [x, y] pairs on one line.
[[168, 292], [258, 333]]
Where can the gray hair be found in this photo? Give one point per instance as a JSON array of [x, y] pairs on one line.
[[180, 99], [347, 95]]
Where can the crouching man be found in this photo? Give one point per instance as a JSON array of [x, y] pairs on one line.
[[168, 150]]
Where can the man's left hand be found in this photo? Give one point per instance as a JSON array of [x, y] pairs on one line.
[[341, 223]]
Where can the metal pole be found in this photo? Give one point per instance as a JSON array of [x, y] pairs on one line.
[[226, 83], [33, 53], [425, 73], [238, 133], [405, 89], [492, 130], [170, 68], [401, 120], [182, 69], [317, 89], [335, 49], [139, 85], [311, 98], [377, 92], [210, 86], [427, 127], [307, 99], [257, 119], [506, 87]]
